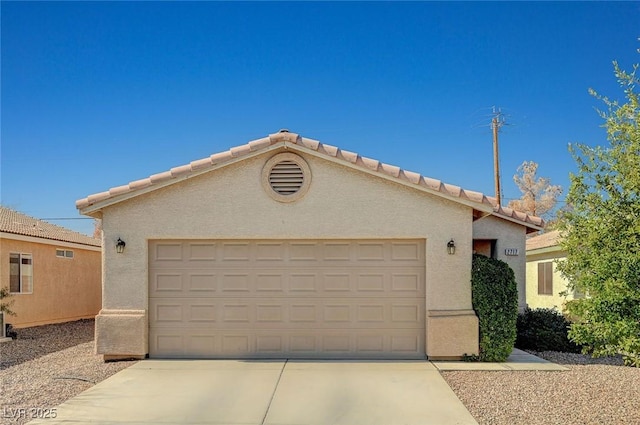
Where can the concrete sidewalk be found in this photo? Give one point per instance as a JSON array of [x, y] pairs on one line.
[[518, 360], [268, 392]]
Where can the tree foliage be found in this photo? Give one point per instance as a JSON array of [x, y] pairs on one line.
[[5, 306], [539, 196], [601, 232]]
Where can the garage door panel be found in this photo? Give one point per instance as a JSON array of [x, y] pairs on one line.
[[306, 299], [335, 343], [283, 314], [285, 283]]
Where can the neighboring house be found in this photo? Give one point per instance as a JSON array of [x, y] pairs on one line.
[[545, 283], [53, 273], [286, 247]]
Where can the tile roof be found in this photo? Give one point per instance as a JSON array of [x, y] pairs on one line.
[[303, 144], [12, 221], [544, 240]]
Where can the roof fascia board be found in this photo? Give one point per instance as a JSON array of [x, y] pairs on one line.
[[545, 250], [91, 210], [47, 241], [466, 202], [530, 226]]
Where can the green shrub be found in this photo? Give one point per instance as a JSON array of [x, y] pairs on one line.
[[544, 329], [495, 300]]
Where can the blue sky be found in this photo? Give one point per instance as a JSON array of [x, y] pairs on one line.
[[95, 95]]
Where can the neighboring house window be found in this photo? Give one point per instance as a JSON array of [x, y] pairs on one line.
[[20, 273], [545, 278], [64, 253]]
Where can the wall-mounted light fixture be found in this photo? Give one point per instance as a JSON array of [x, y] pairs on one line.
[[120, 246], [451, 247]]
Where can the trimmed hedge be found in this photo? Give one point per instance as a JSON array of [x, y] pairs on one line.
[[544, 329], [495, 300]]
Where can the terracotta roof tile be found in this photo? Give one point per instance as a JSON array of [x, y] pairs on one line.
[[351, 157], [14, 222], [411, 176], [392, 170], [240, 150], [160, 177], [328, 149], [310, 143], [432, 184], [287, 137], [140, 184], [119, 190], [258, 144], [369, 163]]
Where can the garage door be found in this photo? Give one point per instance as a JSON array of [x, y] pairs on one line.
[[294, 299]]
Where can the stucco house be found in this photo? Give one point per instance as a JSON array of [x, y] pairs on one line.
[[53, 273], [286, 247], [545, 284]]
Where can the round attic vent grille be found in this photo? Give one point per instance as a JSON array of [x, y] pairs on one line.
[[286, 177]]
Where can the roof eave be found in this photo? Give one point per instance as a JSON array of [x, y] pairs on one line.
[[544, 250], [95, 209], [475, 205], [529, 226]]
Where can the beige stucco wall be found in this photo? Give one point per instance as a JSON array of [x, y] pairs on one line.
[[231, 203], [559, 282], [63, 289], [509, 235]]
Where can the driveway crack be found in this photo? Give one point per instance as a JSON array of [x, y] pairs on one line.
[[273, 394]]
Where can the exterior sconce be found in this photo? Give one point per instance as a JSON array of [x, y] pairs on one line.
[[120, 246], [451, 247]]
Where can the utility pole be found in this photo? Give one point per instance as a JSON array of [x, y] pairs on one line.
[[496, 123]]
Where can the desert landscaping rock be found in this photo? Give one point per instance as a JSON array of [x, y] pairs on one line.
[[48, 365], [34, 376], [592, 391]]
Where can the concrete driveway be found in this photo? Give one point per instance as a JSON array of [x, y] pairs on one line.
[[268, 392]]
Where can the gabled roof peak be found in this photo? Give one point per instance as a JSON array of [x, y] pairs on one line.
[[288, 139]]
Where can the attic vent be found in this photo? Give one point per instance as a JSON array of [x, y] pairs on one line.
[[286, 177]]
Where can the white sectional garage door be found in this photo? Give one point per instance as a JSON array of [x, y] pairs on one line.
[[294, 299]]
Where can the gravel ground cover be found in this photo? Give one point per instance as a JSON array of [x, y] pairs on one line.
[[593, 391], [41, 340], [47, 365]]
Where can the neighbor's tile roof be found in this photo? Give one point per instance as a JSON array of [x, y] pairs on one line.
[[303, 143], [544, 240], [12, 221]]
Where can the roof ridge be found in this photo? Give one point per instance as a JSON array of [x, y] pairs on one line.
[[286, 137], [15, 222]]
